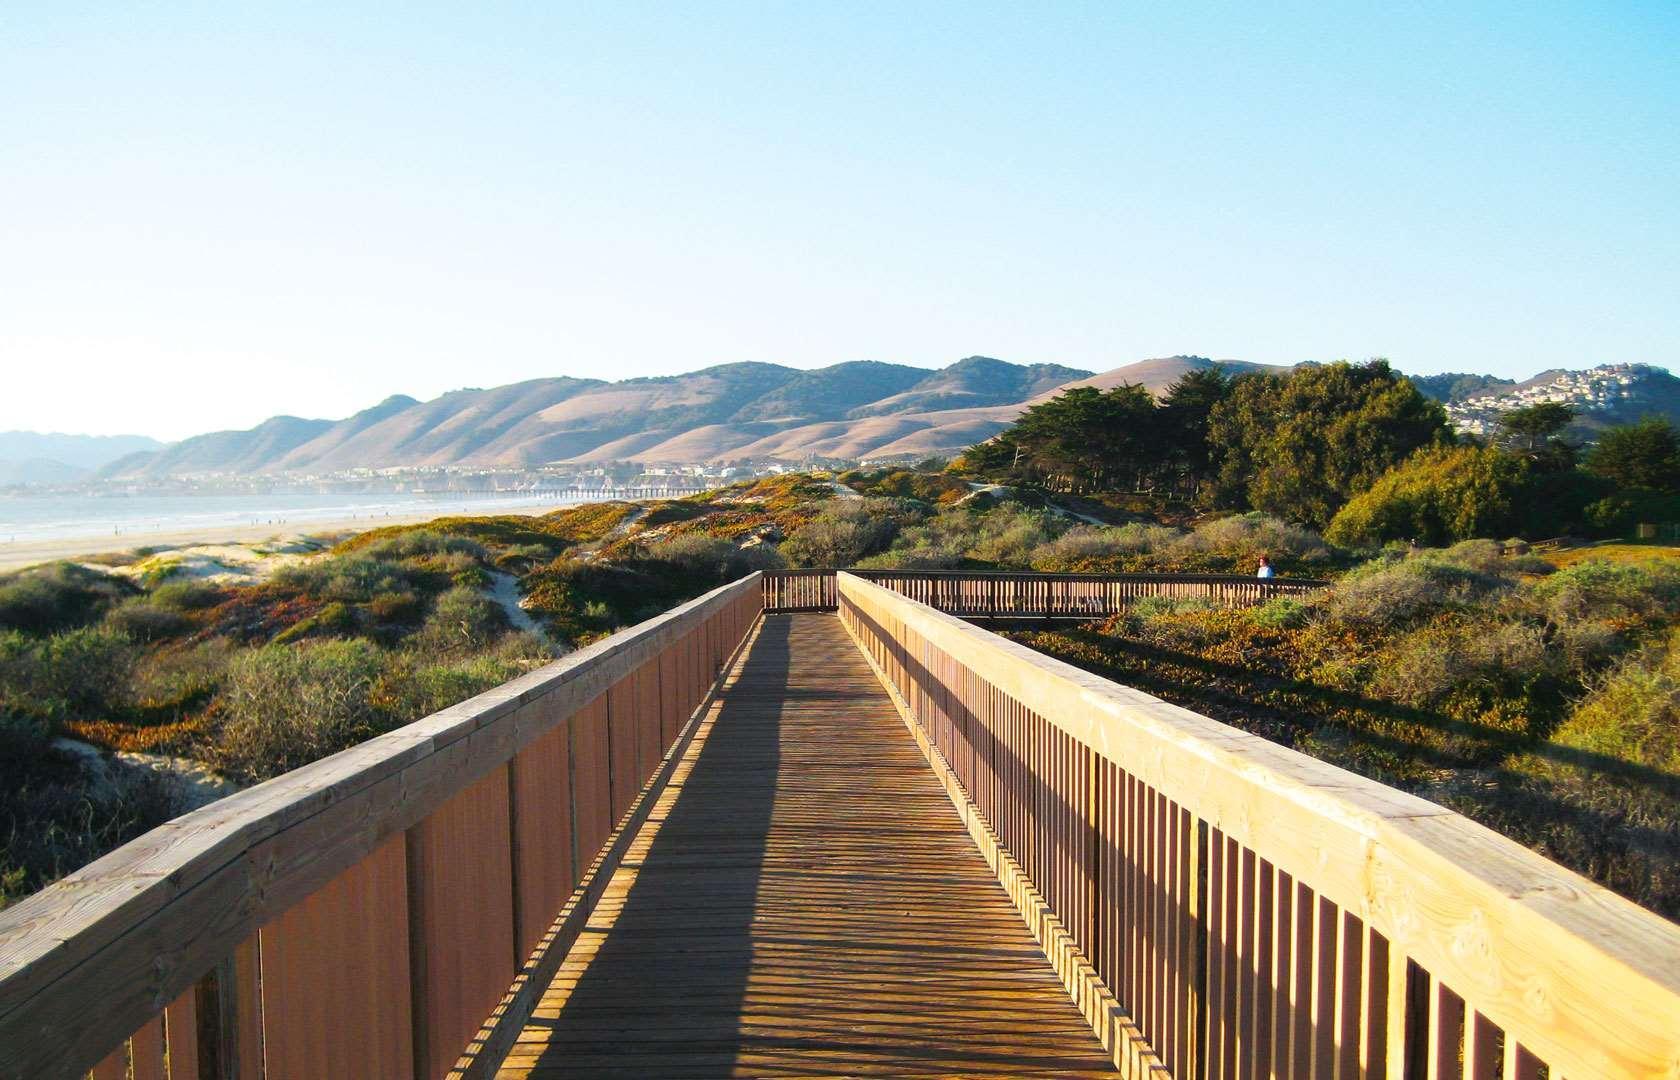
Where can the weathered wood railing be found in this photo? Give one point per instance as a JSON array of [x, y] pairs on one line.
[[1029, 595], [1224, 907], [365, 915]]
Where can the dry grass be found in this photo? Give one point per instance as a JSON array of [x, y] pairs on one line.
[[1618, 553]]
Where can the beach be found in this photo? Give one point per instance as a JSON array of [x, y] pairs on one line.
[[22, 553]]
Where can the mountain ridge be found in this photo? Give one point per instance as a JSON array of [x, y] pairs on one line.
[[726, 412]]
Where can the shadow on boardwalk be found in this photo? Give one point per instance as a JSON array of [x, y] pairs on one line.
[[803, 901]]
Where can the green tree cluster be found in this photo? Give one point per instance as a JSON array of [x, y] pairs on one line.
[[1642, 456], [1525, 483], [1084, 439], [1296, 444], [1439, 496], [1301, 444], [1355, 449]]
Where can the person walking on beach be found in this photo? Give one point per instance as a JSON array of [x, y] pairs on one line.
[[1265, 570]]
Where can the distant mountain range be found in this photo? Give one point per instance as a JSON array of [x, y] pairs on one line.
[[734, 412], [731, 412], [28, 457]]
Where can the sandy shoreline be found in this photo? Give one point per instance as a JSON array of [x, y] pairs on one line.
[[14, 556]]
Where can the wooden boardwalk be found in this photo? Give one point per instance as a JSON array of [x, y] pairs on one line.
[[803, 901]]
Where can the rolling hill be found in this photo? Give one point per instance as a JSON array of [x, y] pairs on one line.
[[975, 381], [1159, 374], [731, 412], [251, 451], [30, 457]]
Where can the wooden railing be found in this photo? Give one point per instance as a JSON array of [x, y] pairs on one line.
[[373, 913], [798, 590], [1027, 595], [1224, 907]]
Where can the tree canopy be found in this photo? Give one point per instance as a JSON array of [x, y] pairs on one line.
[[1531, 427], [1301, 444], [1643, 455], [1185, 411], [1084, 439], [1356, 448], [1438, 496]]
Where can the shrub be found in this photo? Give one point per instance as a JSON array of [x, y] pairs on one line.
[[58, 596], [415, 687], [286, 706], [1601, 590], [143, 619], [1614, 763], [979, 531], [561, 594], [1384, 592], [175, 678], [691, 563], [521, 555], [930, 487], [56, 816], [1147, 608], [188, 595], [1009, 537], [1281, 613], [1243, 538], [914, 558], [472, 577], [333, 620], [412, 543], [1485, 555], [462, 620], [754, 557], [79, 674], [351, 578], [1459, 656], [395, 606], [1633, 711], [844, 531], [1102, 548], [704, 558]]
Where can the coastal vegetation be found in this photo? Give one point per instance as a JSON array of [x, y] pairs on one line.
[[1541, 702], [1536, 692]]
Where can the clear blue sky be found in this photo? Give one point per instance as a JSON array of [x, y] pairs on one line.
[[210, 215]]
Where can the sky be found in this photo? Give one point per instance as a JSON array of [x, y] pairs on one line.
[[214, 213]]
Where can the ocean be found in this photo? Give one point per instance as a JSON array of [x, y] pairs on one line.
[[28, 518]]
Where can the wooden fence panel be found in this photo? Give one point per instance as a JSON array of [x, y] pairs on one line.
[[242, 1009], [621, 745], [336, 978], [181, 1036], [146, 1051], [544, 864], [671, 715], [591, 779], [461, 920], [648, 747]]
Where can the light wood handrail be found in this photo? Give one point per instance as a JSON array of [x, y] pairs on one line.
[[1245, 903]]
